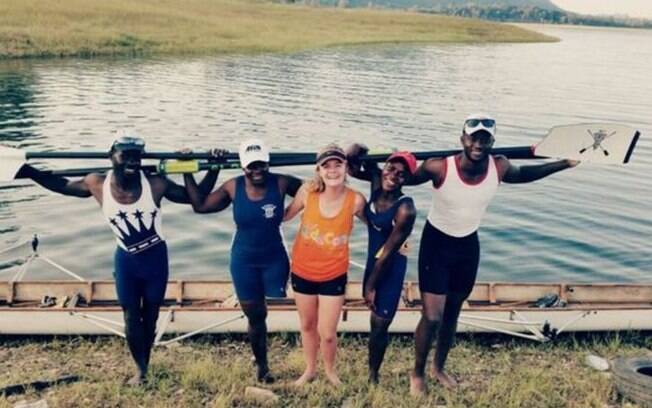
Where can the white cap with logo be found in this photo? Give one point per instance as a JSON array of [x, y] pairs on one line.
[[253, 150]]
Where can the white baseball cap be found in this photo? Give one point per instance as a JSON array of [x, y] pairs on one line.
[[480, 121], [253, 150]]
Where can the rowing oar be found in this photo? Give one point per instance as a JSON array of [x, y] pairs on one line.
[[601, 143], [193, 166]]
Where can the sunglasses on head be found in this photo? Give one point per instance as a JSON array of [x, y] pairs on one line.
[[487, 123]]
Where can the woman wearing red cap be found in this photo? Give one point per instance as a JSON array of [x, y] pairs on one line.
[[320, 257], [390, 217]]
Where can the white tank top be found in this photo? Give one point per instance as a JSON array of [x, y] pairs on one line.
[[458, 206], [136, 226]]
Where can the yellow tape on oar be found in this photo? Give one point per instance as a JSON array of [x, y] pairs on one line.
[[178, 166]]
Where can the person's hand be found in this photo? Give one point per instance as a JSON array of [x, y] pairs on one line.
[[572, 163], [184, 151], [217, 155], [370, 297]]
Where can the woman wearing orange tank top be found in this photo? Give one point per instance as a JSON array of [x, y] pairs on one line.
[[320, 257]]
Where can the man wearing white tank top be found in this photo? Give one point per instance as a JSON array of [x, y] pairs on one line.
[[131, 203], [449, 253]]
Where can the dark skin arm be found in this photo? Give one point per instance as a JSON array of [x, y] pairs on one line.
[[289, 184], [359, 169], [430, 170], [209, 203], [403, 223], [178, 194], [58, 184], [510, 173]]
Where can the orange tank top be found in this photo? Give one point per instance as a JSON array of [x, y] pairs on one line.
[[321, 247]]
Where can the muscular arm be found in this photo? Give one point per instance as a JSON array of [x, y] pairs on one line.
[[510, 173], [213, 202], [429, 170], [58, 184], [178, 194], [289, 184], [403, 223]]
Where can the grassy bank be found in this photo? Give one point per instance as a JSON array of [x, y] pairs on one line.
[[44, 28], [214, 371]]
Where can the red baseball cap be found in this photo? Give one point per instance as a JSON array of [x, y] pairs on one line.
[[407, 158]]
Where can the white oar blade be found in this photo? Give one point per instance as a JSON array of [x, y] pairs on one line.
[[601, 143], [11, 160]]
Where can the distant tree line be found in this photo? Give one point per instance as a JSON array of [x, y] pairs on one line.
[[540, 15]]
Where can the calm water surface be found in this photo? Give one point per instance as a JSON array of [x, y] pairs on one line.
[[592, 223]]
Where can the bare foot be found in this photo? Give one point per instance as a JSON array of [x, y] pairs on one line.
[[136, 381], [445, 380], [306, 377], [334, 379], [417, 385]]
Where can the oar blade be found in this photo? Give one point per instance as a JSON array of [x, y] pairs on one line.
[[599, 143], [11, 160]]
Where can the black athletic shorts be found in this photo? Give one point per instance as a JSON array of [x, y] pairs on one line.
[[333, 287], [447, 264]]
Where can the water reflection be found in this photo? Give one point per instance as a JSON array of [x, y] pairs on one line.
[[589, 224]]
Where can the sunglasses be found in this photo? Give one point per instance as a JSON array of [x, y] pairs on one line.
[[487, 123], [129, 143]]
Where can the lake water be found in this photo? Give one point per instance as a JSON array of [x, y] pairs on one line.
[[590, 224]]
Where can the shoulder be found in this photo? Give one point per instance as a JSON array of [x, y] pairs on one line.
[[229, 185], [358, 199], [406, 207], [502, 163], [435, 165], [94, 179], [157, 180]]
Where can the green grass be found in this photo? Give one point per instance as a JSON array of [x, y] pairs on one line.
[[214, 371], [49, 28]]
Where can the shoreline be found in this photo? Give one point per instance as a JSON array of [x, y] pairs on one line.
[[78, 28]]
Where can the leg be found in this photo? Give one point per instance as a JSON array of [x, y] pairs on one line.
[[307, 306], [156, 261], [431, 316], [445, 338], [135, 337], [330, 308], [388, 296], [378, 341], [256, 312], [130, 291]]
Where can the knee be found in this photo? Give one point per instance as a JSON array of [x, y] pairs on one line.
[[328, 338], [432, 317], [132, 315], [257, 316], [309, 325]]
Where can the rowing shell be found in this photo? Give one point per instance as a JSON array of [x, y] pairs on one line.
[[206, 306]]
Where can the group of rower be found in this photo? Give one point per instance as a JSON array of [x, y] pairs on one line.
[[449, 253]]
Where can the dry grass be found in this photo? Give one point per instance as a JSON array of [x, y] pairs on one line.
[[42, 28], [213, 371]]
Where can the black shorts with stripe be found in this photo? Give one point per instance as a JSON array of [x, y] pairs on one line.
[[447, 264]]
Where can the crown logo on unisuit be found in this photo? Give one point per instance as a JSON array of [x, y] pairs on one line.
[[136, 238]]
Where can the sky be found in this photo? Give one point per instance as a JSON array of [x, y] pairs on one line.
[[634, 8]]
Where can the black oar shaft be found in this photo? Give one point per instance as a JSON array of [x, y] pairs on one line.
[[298, 159]]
